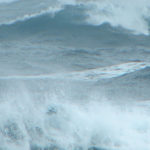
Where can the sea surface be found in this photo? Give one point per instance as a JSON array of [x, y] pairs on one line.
[[74, 75]]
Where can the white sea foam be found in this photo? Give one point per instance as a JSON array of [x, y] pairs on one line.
[[128, 14], [69, 125], [131, 15], [109, 72], [51, 10], [87, 75]]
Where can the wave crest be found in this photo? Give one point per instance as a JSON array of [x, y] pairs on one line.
[[118, 13]]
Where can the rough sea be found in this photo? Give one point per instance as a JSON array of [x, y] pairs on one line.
[[74, 75]]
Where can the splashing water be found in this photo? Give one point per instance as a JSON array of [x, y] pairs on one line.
[[74, 75], [51, 119]]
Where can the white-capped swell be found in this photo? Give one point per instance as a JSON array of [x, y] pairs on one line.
[[87, 75], [128, 14], [51, 10], [131, 15], [60, 111]]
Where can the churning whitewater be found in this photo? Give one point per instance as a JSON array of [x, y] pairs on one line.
[[74, 75]]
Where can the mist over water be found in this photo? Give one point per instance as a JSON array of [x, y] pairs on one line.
[[74, 75]]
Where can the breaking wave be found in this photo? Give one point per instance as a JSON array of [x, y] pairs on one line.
[[49, 119], [133, 17], [74, 75], [87, 75]]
